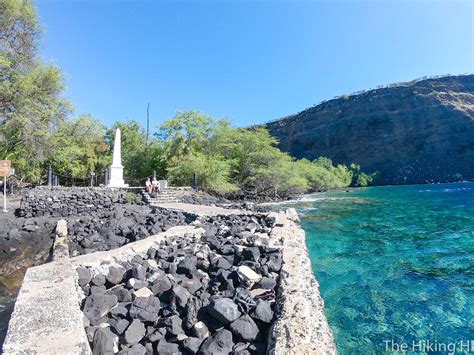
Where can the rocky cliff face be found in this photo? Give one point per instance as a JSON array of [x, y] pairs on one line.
[[413, 133]]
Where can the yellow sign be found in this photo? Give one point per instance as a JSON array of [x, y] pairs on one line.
[[5, 167]]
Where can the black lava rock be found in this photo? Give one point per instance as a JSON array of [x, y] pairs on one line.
[[244, 328], [187, 265], [104, 341], [115, 274], [84, 276], [145, 309], [218, 344], [224, 310], [135, 332], [251, 253], [180, 296], [200, 330], [95, 306], [263, 312], [192, 344], [164, 347]]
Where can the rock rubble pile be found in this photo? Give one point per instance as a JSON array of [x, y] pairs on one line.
[[213, 294], [114, 228]]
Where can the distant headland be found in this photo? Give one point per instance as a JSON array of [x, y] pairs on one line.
[[416, 132]]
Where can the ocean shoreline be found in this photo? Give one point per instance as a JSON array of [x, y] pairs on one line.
[[285, 336]]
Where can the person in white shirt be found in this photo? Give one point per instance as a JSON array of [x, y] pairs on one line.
[[148, 185], [154, 185]]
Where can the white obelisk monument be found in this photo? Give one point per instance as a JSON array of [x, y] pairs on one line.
[[116, 169]]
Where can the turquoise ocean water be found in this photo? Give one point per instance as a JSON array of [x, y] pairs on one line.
[[394, 263]]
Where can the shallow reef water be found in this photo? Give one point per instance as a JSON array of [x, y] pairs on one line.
[[394, 263]]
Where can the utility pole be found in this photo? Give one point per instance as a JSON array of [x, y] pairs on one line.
[[147, 125]]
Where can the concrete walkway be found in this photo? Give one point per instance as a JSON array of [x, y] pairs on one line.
[[200, 209]]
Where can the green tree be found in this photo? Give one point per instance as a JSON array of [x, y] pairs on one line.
[[360, 178], [343, 175], [324, 162], [189, 147], [257, 165], [213, 172], [322, 175], [189, 131], [30, 90], [138, 160], [364, 179], [79, 148]]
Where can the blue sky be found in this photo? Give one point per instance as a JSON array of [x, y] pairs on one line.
[[249, 61]]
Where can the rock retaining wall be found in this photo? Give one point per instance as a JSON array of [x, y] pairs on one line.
[[63, 202]]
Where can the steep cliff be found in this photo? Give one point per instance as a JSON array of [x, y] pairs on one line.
[[416, 132]]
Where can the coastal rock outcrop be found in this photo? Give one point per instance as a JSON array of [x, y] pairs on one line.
[[416, 132]]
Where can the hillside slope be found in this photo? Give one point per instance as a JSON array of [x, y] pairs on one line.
[[416, 132]]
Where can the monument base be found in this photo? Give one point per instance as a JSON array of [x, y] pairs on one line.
[[116, 177]]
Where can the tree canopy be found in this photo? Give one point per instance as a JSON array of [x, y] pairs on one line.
[[30, 90], [231, 160], [38, 129], [79, 147]]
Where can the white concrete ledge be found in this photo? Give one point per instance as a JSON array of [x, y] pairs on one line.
[[47, 318], [301, 326]]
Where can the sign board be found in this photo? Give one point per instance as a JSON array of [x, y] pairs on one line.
[[5, 167]]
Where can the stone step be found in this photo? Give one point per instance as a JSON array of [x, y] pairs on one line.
[[163, 201], [162, 198], [170, 195], [167, 194]]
